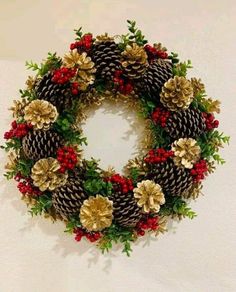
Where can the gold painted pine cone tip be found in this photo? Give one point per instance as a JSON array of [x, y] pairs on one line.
[[85, 67], [40, 113], [134, 61], [149, 196], [186, 152], [46, 176], [96, 213], [177, 93]]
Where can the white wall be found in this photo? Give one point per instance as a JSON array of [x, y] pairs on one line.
[[198, 255]]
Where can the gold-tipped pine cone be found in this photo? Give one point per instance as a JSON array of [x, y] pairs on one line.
[[46, 176], [149, 196], [96, 213], [18, 107], [198, 86], [177, 93], [134, 61], [40, 113], [85, 67], [186, 152]]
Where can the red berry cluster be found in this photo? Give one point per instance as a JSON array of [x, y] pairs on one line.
[[84, 45], [74, 88], [148, 223], [160, 116], [158, 155], [121, 183], [123, 85], [199, 170], [153, 53], [17, 130], [26, 187], [63, 75], [67, 157], [210, 121], [91, 236]]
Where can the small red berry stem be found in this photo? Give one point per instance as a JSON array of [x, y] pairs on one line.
[[18, 130], [199, 170], [84, 45], [210, 121], [153, 53], [91, 236], [121, 183], [122, 84], [67, 157], [158, 155], [147, 223], [160, 116]]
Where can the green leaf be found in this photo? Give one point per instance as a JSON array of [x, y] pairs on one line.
[[176, 206], [73, 222], [12, 144], [42, 205], [180, 69], [117, 234], [52, 62]]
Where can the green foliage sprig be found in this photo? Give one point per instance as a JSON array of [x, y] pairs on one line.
[[28, 94], [52, 62], [175, 206], [117, 234], [12, 144], [23, 166], [72, 224], [174, 58], [94, 184], [42, 205], [134, 36], [180, 69], [210, 143], [64, 126]]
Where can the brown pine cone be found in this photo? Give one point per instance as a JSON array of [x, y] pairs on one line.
[[173, 180], [155, 76], [126, 212], [41, 144], [106, 56], [57, 94], [68, 199], [185, 124]]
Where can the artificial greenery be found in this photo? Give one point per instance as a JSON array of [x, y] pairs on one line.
[[52, 62], [134, 36], [210, 143], [42, 204], [117, 234], [176, 207], [12, 144], [181, 69], [72, 223]]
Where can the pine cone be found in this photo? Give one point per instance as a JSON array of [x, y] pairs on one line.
[[134, 61], [40, 114], [177, 93], [57, 94], [126, 212], [154, 78], [106, 56], [41, 144], [185, 124], [85, 68], [68, 199], [173, 180]]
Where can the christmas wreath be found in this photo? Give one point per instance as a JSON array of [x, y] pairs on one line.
[[180, 146]]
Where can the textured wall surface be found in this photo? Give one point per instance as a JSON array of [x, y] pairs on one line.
[[197, 255]]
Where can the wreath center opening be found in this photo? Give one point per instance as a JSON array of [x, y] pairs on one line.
[[114, 134]]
